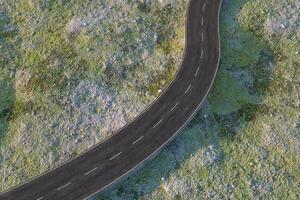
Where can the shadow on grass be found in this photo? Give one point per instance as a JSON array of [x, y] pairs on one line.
[[7, 78], [235, 100], [7, 101]]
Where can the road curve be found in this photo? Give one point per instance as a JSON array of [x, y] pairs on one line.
[[145, 136]]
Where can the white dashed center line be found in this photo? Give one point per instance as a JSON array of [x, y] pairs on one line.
[[197, 72], [64, 186], [40, 198], [202, 37], [157, 123], [137, 140], [204, 5], [90, 171], [174, 106], [187, 90], [115, 156], [202, 21], [202, 53]]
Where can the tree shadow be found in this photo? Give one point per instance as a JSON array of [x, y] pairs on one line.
[[7, 74], [235, 100], [7, 100]]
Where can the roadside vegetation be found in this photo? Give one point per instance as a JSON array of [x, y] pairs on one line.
[[72, 72]]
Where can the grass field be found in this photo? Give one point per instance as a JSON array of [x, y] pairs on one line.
[[72, 74]]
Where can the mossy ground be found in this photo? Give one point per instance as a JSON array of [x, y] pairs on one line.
[[243, 144], [73, 72]]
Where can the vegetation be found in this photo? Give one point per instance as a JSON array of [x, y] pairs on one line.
[[59, 59], [73, 72]]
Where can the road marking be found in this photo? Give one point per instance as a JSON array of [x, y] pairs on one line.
[[157, 123], [90, 171], [202, 53], [202, 36], [115, 156], [174, 106], [64, 186], [188, 89], [202, 21], [197, 72], [204, 6], [40, 198], [137, 140]]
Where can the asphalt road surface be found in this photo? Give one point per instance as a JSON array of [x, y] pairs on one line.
[[144, 137]]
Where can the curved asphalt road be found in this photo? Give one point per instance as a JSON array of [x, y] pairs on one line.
[[111, 160]]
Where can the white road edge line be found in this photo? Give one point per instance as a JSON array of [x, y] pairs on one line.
[[137, 140], [176, 133], [87, 173], [157, 123], [93, 147], [40, 198], [174, 106], [202, 53], [64, 186], [188, 89], [197, 72], [115, 156]]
